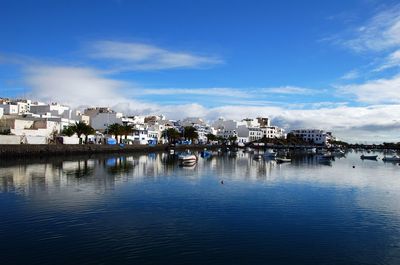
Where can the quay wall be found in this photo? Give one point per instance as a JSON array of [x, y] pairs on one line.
[[40, 150]]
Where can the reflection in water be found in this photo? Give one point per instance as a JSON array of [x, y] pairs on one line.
[[26, 178], [146, 209]]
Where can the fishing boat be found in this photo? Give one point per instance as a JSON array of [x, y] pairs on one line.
[[283, 160], [370, 157], [394, 158]]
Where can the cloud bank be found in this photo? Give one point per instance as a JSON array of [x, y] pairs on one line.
[[87, 87]]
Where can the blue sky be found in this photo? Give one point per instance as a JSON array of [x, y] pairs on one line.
[[325, 64]]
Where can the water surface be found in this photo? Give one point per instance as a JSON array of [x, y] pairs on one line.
[[145, 209]]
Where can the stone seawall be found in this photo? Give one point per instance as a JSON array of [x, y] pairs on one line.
[[20, 151]]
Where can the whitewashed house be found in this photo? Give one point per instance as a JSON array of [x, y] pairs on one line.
[[101, 118], [315, 136]]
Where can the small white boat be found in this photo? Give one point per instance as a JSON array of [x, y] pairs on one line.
[[372, 157], [171, 151], [391, 159], [187, 159], [283, 160], [270, 153]]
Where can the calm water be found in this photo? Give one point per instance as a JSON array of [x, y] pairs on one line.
[[145, 209]]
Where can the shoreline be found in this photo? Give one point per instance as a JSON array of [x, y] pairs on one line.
[[28, 151]]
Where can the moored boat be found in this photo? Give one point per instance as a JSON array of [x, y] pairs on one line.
[[394, 158], [187, 159], [283, 160], [370, 157]]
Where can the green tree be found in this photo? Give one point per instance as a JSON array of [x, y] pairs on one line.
[[68, 131], [115, 129], [190, 133], [87, 131], [81, 128], [233, 139], [126, 130], [211, 137], [171, 134]]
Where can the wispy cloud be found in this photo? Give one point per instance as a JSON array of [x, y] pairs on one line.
[[392, 60], [289, 90], [381, 32], [140, 56], [353, 74], [217, 92]]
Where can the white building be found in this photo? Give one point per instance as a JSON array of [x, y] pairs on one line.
[[249, 134], [315, 136], [31, 130], [10, 109], [101, 118], [272, 132], [52, 110], [229, 125]]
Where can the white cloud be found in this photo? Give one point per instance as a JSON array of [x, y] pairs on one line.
[[374, 123], [218, 92], [85, 86], [375, 91], [290, 90], [381, 32], [139, 56], [75, 86]]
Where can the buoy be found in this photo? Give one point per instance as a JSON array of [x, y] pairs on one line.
[[354, 166], [222, 182]]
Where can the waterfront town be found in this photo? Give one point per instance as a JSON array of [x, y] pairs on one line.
[[25, 121]]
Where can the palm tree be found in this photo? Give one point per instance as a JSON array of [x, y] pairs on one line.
[[211, 137], [80, 128], [127, 130], [171, 134], [189, 132], [87, 131], [115, 129]]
